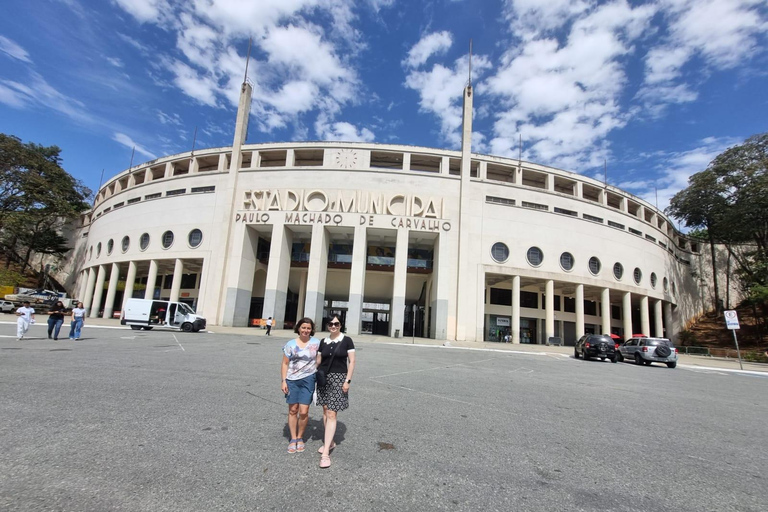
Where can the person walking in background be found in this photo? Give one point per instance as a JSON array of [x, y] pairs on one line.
[[78, 319], [298, 380], [26, 318], [334, 396], [55, 319], [269, 325]]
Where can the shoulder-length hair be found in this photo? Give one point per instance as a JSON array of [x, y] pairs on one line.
[[303, 321]]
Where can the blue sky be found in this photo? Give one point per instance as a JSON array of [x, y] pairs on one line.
[[655, 88]]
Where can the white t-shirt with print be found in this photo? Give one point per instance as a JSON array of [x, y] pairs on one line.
[[26, 313]]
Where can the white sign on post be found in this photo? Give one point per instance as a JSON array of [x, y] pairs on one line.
[[731, 320]]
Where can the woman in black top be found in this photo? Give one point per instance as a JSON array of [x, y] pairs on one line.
[[55, 319], [334, 396]]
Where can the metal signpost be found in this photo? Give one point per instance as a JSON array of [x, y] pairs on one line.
[[732, 323]]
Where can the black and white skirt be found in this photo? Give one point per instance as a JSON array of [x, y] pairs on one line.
[[332, 395]]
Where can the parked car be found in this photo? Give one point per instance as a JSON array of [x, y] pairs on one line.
[[6, 306], [649, 350], [595, 345]]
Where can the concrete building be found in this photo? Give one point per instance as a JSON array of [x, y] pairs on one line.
[[399, 240]]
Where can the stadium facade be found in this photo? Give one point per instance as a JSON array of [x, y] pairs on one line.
[[398, 240]]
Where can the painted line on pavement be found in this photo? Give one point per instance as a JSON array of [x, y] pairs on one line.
[[177, 342]]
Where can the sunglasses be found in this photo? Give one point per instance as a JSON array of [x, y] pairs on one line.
[[334, 324]]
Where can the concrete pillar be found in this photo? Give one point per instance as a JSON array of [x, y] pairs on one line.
[[549, 310], [669, 334], [657, 319], [222, 163], [357, 281], [130, 280], [605, 303], [316, 274], [645, 320], [579, 311], [397, 313], [445, 166], [149, 293], [98, 292], [178, 270], [406, 161], [580, 194], [515, 322], [302, 295], [626, 314], [442, 264], [89, 287], [278, 272], [194, 165], [240, 268], [83, 284], [109, 304]]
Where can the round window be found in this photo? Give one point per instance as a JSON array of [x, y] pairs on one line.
[[638, 275], [167, 239], [594, 265], [535, 256], [499, 252], [653, 280], [665, 283], [566, 261], [144, 241], [126, 243], [196, 238], [618, 270], [98, 249], [110, 246]]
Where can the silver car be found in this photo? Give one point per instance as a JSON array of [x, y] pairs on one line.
[[6, 306], [649, 350]]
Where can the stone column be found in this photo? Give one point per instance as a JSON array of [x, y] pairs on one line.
[[149, 293], [657, 319], [605, 303], [98, 292], [626, 314], [89, 287], [240, 268], [302, 296], [442, 264], [130, 279], [645, 320], [178, 270], [109, 305], [579, 311], [668, 321], [397, 313], [515, 323], [549, 310], [278, 272], [83, 284], [316, 274], [357, 281]]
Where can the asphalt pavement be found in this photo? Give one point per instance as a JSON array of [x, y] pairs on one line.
[[168, 421]]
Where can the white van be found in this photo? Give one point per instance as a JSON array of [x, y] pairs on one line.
[[147, 314]]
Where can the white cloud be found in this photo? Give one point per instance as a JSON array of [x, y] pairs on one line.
[[143, 10], [436, 43], [342, 131], [722, 33], [37, 92], [674, 170], [441, 89], [115, 62], [128, 142], [13, 50], [194, 84], [564, 95]]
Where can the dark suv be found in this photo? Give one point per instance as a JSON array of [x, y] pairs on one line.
[[595, 345]]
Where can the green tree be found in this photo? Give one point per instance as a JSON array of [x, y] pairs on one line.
[[37, 197], [702, 206]]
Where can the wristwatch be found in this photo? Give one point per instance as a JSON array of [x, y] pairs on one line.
[[349, 381]]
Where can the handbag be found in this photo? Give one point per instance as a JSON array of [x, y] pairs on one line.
[[321, 376]]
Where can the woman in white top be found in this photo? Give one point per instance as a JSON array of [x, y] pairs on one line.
[[26, 317], [78, 319]]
